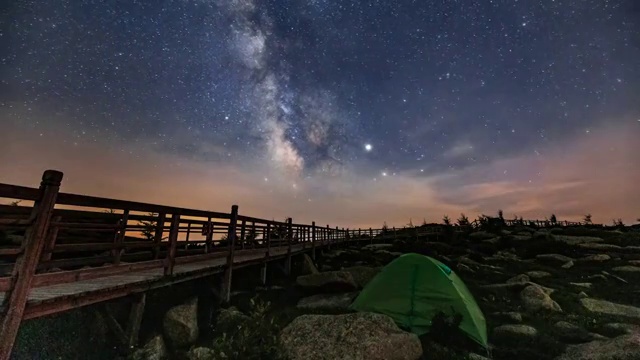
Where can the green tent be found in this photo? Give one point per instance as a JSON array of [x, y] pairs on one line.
[[413, 288]]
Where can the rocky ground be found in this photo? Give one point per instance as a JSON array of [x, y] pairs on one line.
[[565, 294]]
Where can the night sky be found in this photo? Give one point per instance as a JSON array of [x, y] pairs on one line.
[[349, 112]]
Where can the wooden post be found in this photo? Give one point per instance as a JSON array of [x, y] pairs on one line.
[[371, 234], [117, 250], [269, 239], [173, 243], [135, 319], [157, 238], [242, 233], [51, 240], [395, 235], [313, 241], [254, 234], [328, 238], [209, 239], [16, 297], [289, 240], [231, 238]]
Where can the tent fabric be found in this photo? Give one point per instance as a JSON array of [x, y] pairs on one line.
[[413, 288]]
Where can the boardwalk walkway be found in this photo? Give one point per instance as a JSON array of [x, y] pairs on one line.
[[63, 251]]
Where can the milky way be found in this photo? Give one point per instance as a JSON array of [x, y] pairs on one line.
[[324, 97]]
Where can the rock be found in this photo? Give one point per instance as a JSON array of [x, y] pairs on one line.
[[473, 356], [634, 262], [572, 333], [582, 295], [620, 348], [464, 268], [581, 285], [377, 246], [362, 274], [202, 353], [626, 268], [515, 332], [574, 240], [596, 258], [357, 336], [154, 349], [596, 246], [229, 319], [519, 279], [621, 328], [553, 258], [568, 265], [597, 277], [180, 324], [608, 308], [327, 301], [308, 267], [512, 316], [534, 298], [615, 277], [331, 280], [537, 274]]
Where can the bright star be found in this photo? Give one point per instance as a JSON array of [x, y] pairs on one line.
[[368, 147]]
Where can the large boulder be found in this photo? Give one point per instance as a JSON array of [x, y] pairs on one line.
[[330, 280], [328, 301], [229, 319], [180, 324], [357, 336], [608, 308], [620, 348], [154, 349], [535, 298], [537, 274], [571, 332], [362, 274], [627, 269]]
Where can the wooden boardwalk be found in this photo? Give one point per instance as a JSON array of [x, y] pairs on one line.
[[50, 299], [63, 251]]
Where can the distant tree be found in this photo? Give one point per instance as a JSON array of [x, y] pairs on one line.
[[424, 222], [587, 219], [149, 226], [500, 220], [110, 211], [618, 222], [553, 219], [410, 224], [521, 221], [463, 220], [500, 215], [446, 220], [15, 203], [385, 228]]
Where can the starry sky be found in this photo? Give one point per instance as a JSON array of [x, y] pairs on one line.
[[350, 113]]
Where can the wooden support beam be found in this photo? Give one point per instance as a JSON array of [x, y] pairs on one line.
[[231, 238], [15, 300], [114, 326], [135, 319], [173, 239]]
